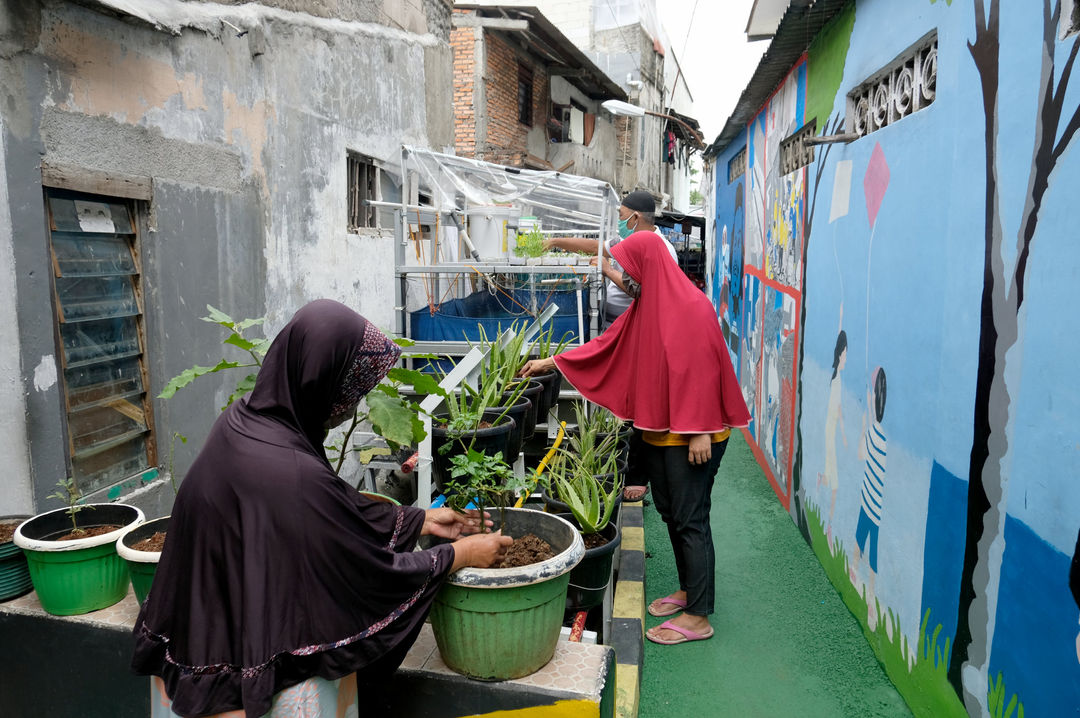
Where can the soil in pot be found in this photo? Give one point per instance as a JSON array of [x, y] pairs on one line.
[[151, 543], [86, 533], [594, 540], [527, 549], [7, 531]]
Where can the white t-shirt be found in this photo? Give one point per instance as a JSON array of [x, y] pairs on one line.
[[618, 301]]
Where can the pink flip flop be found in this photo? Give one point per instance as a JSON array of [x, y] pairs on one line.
[[678, 604], [687, 634], [630, 493]]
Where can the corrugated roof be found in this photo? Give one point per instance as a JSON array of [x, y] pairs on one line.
[[798, 28]]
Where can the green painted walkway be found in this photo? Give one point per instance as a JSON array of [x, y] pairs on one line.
[[785, 644]]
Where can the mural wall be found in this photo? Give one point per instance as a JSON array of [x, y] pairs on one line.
[[899, 321]]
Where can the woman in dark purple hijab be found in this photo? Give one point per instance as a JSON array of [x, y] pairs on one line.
[[275, 570]]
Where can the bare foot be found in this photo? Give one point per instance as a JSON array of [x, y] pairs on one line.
[[634, 493], [697, 624]]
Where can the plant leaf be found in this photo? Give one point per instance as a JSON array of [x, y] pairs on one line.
[[246, 384], [248, 323], [421, 382], [189, 375], [219, 317], [391, 418], [367, 453], [238, 341]]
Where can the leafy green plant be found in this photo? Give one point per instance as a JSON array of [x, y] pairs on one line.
[[255, 348], [69, 493], [530, 244], [393, 415], [484, 480], [595, 443], [545, 340]]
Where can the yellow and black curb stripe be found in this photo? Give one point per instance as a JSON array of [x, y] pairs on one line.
[[628, 612]]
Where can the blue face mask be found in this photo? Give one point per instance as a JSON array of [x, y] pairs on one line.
[[624, 229]]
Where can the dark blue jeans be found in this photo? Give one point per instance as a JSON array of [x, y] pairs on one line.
[[682, 494]]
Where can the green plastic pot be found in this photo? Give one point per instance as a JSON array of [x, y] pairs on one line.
[[498, 624], [78, 575], [142, 565]]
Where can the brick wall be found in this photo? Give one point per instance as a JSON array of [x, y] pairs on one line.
[[505, 140], [463, 45]]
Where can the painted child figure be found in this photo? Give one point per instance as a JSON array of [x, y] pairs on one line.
[[873, 451], [834, 419]]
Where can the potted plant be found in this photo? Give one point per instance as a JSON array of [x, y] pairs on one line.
[[504, 358], [14, 574], [503, 623], [552, 380], [589, 501], [71, 553]]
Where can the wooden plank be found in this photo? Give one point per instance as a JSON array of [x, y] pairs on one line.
[[81, 179]]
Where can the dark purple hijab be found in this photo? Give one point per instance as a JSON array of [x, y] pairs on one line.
[[276, 570]]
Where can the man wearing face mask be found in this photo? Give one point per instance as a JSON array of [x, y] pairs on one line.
[[637, 213]]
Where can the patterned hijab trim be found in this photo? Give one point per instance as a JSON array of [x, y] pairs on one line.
[[375, 356]]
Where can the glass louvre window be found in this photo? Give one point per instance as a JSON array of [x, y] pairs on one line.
[[99, 316]]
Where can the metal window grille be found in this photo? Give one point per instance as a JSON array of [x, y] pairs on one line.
[[794, 152], [363, 186], [736, 166], [525, 95], [99, 325], [905, 86]]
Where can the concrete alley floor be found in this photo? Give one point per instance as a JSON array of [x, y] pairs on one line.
[[784, 642]]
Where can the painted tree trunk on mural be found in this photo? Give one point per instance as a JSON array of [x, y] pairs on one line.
[[798, 498], [1002, 300]]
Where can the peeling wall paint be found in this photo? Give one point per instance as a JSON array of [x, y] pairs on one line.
[[45, 373], [244, 139]]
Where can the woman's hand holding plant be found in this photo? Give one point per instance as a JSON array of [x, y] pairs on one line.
[[449, 524], [480, 550]]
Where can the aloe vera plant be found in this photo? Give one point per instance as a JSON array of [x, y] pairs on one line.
[[584, 492]]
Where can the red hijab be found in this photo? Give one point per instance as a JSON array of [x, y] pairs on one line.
[[663, 364]]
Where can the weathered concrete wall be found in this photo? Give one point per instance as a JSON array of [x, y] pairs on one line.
[[17, 499], [245, 141]]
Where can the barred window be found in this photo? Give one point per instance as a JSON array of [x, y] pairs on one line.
[[99, 325], [905, 86], [363, 186], [736, 166], [525, 95], [794, 152]]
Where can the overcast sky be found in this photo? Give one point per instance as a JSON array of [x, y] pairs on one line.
[[717, 60]]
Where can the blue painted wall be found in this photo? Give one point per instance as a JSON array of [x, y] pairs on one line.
[[894, 260]]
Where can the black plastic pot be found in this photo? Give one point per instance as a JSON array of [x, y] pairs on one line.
[[490, 440], [14, 575], [517, 412], [532, 393], [552, 383], [590, 578]]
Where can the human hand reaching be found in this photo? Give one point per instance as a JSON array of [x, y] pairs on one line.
[[537, 366], [480, 550], [449, 524]]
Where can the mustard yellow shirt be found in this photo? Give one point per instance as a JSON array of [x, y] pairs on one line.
[[666, 438]]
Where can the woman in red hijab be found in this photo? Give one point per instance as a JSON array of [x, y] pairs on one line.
[[664, 366], [281, 585]]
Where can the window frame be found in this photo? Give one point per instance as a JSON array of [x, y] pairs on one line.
[[133, 239], [360, 215], [525, 104]]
